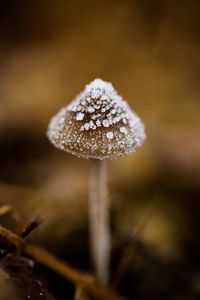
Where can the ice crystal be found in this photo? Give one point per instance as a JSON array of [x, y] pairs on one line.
[[110, 135], [79, 116], [123, 129], [91, 109], [105, 123], [97, 124]]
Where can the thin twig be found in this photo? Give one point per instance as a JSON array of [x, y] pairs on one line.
[[88, 283], [129, 247], [34, 224], [134, 246]]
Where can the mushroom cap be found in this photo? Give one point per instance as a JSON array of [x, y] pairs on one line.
[[97, 124]]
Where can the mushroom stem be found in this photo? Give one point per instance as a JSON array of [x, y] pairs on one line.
[[99, 220]]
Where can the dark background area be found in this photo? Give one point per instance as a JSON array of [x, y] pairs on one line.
[[149, 50]]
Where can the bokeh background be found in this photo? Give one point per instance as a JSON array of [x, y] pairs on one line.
[[149, 50]]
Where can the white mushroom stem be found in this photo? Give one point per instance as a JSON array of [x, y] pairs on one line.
[[99, 220]]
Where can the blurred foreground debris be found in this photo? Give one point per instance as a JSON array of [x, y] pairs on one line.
[[45, 258]]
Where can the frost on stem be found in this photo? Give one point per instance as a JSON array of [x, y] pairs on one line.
[[97, 124]]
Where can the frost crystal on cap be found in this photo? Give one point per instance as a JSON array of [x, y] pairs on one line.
[[98, 124]]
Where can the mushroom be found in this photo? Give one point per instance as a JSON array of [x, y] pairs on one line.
[[98, 125]]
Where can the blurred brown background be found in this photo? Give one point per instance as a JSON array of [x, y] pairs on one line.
[[149, 50]]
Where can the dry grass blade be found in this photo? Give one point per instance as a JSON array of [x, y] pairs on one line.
[[4, 209], [80, 294]]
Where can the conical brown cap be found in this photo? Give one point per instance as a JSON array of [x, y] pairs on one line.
[[98, 124]]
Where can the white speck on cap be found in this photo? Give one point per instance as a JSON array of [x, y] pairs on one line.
[[110, 135], [79, 116], [105, 123], [123, 129], [91, 109], [98, 124]]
